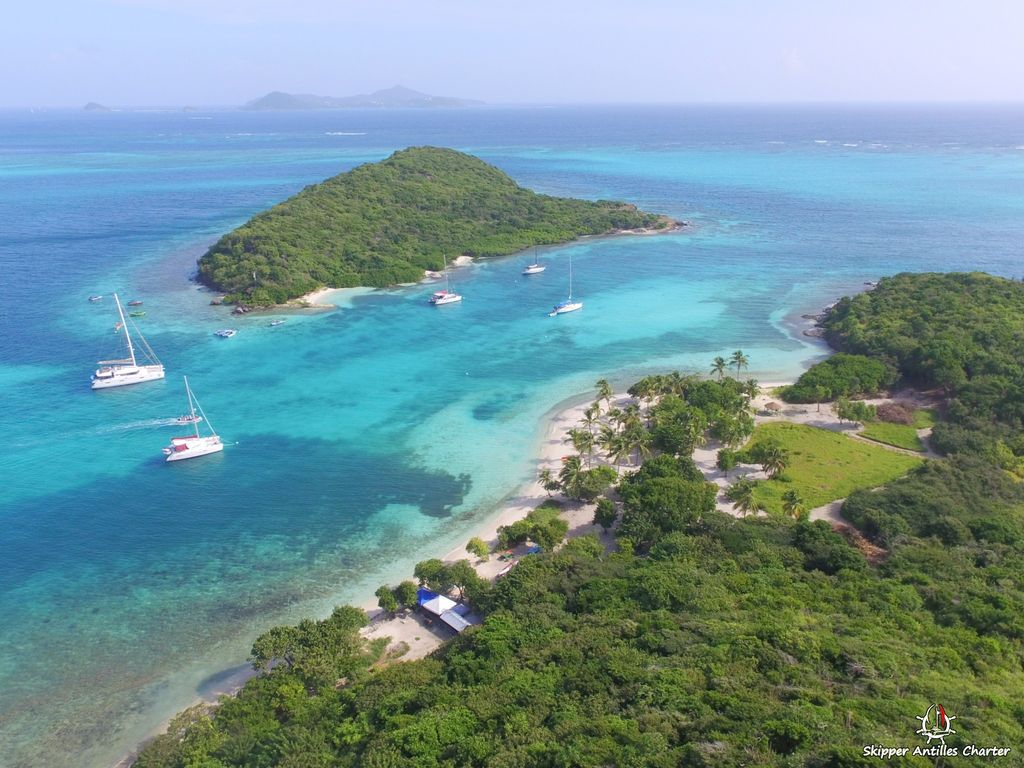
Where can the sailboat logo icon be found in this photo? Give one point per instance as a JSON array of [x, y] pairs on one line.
[[936, 724]]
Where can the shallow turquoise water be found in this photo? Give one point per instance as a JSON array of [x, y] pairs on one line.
[[365, 438]]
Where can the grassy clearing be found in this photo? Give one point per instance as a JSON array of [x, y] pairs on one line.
[[825, 466], [900, 435], [924, 418]]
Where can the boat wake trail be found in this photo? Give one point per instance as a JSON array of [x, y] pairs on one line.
[[144, 424]]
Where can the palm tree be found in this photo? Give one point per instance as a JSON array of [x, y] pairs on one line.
[[739, 360], [616, 416], [631, 416], [741, 494], [718, 366], [615, 445], [604, 390], [591, 417], [734, 429], [571, 476], [675, 384], [793, 505], [774, 460], [644, 390], [547, 481], [582, 441], [638, 441]]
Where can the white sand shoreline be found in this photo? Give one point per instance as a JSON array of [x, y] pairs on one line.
[[322, 298]]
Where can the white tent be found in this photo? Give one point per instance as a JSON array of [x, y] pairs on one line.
[[438, 605]]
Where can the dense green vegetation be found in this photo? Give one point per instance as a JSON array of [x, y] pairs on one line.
[[822, 466], [543, 526], [385, 223], [839, 376], [754, 642], [962, 334], [708, 640]]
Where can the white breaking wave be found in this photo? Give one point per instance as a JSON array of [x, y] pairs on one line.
[[345, 133]]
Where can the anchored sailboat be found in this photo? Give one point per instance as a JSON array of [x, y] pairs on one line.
[[568, 305], [447, 296], [119, 373], [194, 445], [536, 267]]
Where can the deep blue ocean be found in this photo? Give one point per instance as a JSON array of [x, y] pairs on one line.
[[364, 439]]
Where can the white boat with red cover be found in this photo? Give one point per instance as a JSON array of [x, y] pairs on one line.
[[193, 445], [447, 296]]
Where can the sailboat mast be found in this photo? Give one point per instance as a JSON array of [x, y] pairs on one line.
[[570, 278], [447, 287], [124, 326], [191, 405]]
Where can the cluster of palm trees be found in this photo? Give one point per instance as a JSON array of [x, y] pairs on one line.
[[619, 432], [720, 364], [741, 494], [623, 434]]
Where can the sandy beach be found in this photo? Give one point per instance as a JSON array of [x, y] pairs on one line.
[[410, 629]]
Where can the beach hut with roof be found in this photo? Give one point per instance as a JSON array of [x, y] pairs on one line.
[[444, 608]]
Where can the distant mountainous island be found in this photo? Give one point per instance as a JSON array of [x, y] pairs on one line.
[[92, 106], [388, 98], [386, 223]]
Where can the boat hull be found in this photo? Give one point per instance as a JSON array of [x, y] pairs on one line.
[[451, 298], [533, 270], [122, 377], [192, 448], [566, 308]]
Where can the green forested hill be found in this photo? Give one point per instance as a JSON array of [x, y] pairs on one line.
[[962, 333], [385, 223], [704, 641], [730, 643], [938, 330]]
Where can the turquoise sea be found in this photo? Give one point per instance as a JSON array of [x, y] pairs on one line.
[[364, 439]]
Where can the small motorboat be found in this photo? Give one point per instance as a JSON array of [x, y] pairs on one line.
[[95, 298], [137, 313], [188, 418], [275, 323], [225, 333], [135, 303]]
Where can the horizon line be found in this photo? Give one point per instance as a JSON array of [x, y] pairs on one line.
[[213, 107]]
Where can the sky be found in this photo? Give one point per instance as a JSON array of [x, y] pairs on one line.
[[227, 52]]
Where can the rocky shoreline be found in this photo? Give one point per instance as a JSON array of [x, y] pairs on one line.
[[818, 329]]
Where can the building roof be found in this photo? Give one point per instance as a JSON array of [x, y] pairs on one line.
[[433, 602], [453, 620]]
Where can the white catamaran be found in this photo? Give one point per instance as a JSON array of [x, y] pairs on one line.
[[119, 373], [194, 445], [568, 305], [447, 296]]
